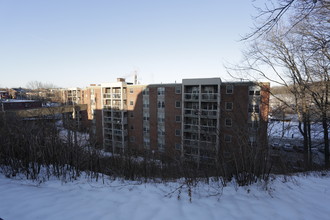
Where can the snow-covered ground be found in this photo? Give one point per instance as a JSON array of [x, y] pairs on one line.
[[290, 130], [303, 197]]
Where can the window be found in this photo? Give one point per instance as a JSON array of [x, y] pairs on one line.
[[161, 104], [161, 90], [177, 90], [256, 108], [253, 124], [229, 89], [229, 106], [177, 146], [250, 109], [253, 108], [131, 102], [254, 90], [132, 139], [146, 116], [146, 130], [132, 114], [161, 117], [177, 132], [228, 122], [132, 127], [145, 91], [252, 141], [145, 103], [178, 118], [228, 138], [160, 132], [146, 142], [131, 90], [161, 144], [177, 104]]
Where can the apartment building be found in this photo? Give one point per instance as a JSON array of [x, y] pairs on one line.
[[201, 114], [244, 110], [197, 119], [92, 96], [72, 96]]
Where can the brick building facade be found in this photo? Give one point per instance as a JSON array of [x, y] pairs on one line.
[[197, 118]]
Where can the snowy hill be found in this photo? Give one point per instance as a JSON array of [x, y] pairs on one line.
[[299, 197]]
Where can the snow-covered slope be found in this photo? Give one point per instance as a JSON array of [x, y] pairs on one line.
[[298, 198]]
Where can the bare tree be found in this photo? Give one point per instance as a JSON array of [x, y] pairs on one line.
[[274, 12], [36, 85]]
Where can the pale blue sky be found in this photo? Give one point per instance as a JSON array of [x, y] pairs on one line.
[[77, 42]]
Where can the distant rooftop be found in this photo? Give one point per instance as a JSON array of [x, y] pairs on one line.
[[17, 100]]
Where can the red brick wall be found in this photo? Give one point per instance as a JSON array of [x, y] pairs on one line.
[[135, 117], [171, 111]]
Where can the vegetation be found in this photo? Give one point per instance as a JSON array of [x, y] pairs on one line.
[[291, 49]]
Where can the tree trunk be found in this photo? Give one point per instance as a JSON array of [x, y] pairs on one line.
[[326, 139], [310, 158]]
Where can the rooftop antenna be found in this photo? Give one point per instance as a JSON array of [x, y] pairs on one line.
[[135, 77]]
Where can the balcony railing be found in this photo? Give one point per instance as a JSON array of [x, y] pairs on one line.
[[191, 96], [208, 129], [116, 96], [207, 113], [114, 107], [209, 97], [108, 130], [191, 112], [188, 127], [190, 142]]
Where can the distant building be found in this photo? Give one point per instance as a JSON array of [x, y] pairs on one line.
[[4, 94], [72, 96], [14, 104], [18, 93]]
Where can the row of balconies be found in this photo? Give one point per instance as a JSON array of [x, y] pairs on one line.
[[116, 132], [115, 120], [203, 113], [114, 107], [204, 96], [199, 128], [114, 96]]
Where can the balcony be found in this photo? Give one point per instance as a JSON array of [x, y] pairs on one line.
[[191, 96], [191, 112], [189, 142], [108, 142], [114, 107], [106, 96], [208, 129], [119, 121], [190, 128], [119, 132], [116, 96], [119, 144], [210, 97], [107, 119], [107, 130], [209, 114]]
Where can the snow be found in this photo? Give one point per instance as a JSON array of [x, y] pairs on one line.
[[291, 130], [18, 100], [299, 197]]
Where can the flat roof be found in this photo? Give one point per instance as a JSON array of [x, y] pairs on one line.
[[17, 100]]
